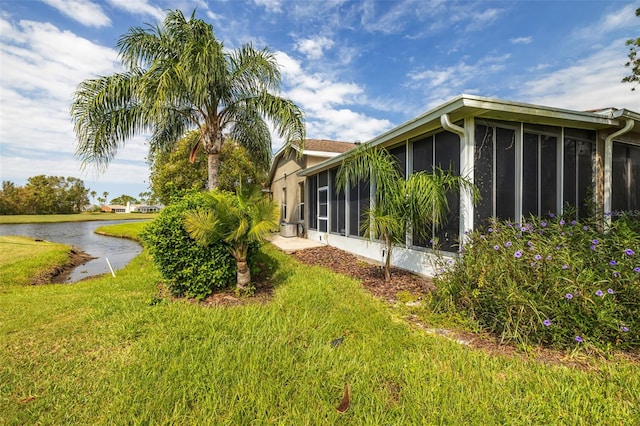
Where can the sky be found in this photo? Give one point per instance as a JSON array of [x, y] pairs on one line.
[[356, 68]]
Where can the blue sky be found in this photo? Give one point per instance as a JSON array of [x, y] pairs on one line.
[[357, 68]]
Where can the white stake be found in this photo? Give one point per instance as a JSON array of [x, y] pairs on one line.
[[109, 263]]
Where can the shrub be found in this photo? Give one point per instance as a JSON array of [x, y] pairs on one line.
[[189, 269], [550, 281]]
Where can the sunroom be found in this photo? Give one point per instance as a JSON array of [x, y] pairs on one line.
[[525, 160]]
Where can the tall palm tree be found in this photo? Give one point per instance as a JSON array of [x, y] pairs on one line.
[[180, 78], [238, 220], [417, 203]]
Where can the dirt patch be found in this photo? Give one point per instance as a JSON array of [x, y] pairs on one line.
[[61, 273]]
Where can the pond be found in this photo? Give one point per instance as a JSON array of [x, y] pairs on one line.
[[81, 235]]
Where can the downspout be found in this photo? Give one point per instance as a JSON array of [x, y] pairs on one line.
[[466, 203], [608, 160]]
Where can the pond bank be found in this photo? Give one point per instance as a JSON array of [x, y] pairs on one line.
[[60, 273]]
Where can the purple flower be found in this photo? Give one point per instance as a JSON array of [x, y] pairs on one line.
[[552, 215], [637, 269], [593, 247], [624, 329], [518, 254], [629, 252], [579, 339], [586, 228], [573, 222], [529, 243], [613, 263], [490, 230], [599, 293], [507, 244], [608, 214], [549, 257], [543, 224], [616, 274], [496, 247], [546, 323], [562, 222], [537, 257], [569, 296], [532, 264], [565, 266], [610, 290], [594, 241]]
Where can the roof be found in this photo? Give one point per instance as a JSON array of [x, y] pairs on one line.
[[314, 147], [324, 145], [493, 109]]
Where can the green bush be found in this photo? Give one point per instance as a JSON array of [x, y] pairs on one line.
[[189, 269], [555, 282]]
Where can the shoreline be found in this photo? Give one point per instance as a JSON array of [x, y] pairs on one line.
[[59, 274]]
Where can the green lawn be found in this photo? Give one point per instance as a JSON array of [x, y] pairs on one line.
[[23, 258], [108, 351], [80, 217]]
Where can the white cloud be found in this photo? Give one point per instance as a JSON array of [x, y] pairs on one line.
[[83, 11], [139, 7], [521, 40], [442, 83], [620, 19], [314, 47], [41, 67], [327, 104], [593, 82], [272, 6]]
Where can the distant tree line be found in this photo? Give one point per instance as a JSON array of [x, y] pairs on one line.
[[44, 195]]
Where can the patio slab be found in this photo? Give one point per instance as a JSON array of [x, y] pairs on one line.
[[293, 244]]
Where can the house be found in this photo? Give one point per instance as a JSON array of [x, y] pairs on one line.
[[113, 208], [525, 159], [288, 189]]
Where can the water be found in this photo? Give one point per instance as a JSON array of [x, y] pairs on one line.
[[81, 235]]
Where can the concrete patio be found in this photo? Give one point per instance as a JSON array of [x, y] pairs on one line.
[[293, 244]]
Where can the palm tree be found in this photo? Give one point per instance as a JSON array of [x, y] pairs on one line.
[[179, 78], [93, 196], [238, 220], [105, 196], [417, 203]]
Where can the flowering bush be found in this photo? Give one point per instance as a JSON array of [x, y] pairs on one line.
[[550, 281]]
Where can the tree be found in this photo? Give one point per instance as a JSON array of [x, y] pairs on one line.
[[105, 196], [171, 174], [239, 220], [418, 203], [44, 195], [124, 199], [93, 196], [634, 59], [179, 78]]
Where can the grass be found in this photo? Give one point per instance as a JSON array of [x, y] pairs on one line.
[[80, 217], [21, 259], [122, 230], [108, 350]]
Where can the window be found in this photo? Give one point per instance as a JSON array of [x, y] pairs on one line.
[[284, 204], [440, 150], [301, 198], [399, 153], [625, 185], [313, 202], [358, 203], [578, 170], [323, 201], [539, 174], [495, 173], [338, 205]]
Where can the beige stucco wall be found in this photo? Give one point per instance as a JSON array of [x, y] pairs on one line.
[[285, 176]]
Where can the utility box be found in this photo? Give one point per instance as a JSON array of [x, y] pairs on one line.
[[288, 230]]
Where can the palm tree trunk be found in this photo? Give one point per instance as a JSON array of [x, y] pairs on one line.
[[243, 277], [213, 164]]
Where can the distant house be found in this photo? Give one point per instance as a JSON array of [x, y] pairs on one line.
[[525, 159], [113, 208], [287, 187], [130, 208]]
